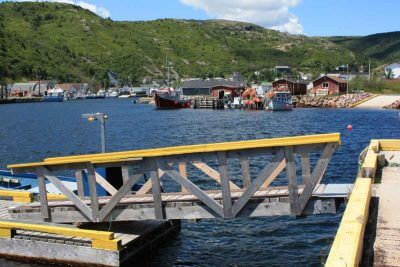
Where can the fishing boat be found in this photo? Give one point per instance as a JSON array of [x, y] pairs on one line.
[[54, 95], [170, 99], [279, 101]]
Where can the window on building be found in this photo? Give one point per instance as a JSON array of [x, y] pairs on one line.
[[325, 85]]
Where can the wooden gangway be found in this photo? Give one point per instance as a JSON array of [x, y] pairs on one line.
[[252, 196]]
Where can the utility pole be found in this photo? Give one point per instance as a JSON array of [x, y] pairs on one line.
[[369, 70], [348, 80], [102, 118]]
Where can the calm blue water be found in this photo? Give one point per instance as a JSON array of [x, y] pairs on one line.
[[31, 132]]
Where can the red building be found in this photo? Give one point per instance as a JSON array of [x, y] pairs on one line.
[[328, 85], [294, 87]]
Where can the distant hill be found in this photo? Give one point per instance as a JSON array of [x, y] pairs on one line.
[[382, 47], [68, 43]]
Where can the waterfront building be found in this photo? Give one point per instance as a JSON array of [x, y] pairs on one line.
[[294, 87], [329, 85], [29, 89], [213, 87]]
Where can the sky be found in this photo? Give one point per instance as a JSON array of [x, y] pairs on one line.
[[309, 17]]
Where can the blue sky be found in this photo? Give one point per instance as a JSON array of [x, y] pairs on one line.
[[310, 17]]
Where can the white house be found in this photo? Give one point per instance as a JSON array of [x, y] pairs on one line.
[[395, 68]]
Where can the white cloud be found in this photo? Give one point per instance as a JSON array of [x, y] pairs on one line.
[[101, 11], [273, 14]]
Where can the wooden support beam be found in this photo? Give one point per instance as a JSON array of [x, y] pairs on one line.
[[94, 198], [105, 184], [156, 189], [147, 185], [279, 168], [87, 212], [266, 173], [44, 208], [194, 189], [225, 188], [245, 166], [316, 175], [292, 179], [125, 173], [183, 171], [212, 173], [79, 183], [305, 167], [123, 191]]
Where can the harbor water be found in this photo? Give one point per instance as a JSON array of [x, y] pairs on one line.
[[31, 132]]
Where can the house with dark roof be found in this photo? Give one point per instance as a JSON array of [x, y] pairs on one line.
[[292, 86], [329, 85], [213, 87]]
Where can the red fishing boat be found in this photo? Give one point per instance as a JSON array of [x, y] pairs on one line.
[[170, 99]]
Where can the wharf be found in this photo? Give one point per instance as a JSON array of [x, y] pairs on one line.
[[20, 100], [369, 233], [108, 244], [298, 191]]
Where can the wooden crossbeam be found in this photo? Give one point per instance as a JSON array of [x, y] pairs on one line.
[[86, 210], [212, 173], [105, 184], [194, 189], [279, 168], [316, 176], [123, 191], [266, 173]]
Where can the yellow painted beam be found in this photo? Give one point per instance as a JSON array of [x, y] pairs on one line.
[[182, 150], [17, 196], [66, 231], [114, 245], [56, 197], [390, 145], [347, 247], [6, 233]]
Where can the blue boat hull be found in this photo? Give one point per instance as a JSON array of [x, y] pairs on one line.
[[53, 99]]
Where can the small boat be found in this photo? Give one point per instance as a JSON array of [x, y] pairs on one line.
[[279, 101], [100, 95], [113, 94], [170, 99], [54, 95]]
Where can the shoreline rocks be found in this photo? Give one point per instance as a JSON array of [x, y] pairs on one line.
[[342, 101], [395, 105]]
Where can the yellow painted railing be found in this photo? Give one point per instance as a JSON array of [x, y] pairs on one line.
[[182, 150], [100, 239], [347, 247], [17, 196]]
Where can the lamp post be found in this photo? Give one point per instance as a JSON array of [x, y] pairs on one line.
[[102, 118]]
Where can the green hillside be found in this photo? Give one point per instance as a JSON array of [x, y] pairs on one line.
[[68, 43], [381, 47]]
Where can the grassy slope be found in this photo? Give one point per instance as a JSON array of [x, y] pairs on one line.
[[72, 44], [381, 47]]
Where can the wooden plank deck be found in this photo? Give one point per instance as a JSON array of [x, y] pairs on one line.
[[387, 238]]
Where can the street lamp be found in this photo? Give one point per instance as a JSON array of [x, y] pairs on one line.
[[102, 118]]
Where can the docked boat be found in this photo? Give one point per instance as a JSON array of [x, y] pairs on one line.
[[113, 94], [170, 99], [100, 95], [279, 101], [54, 95]]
